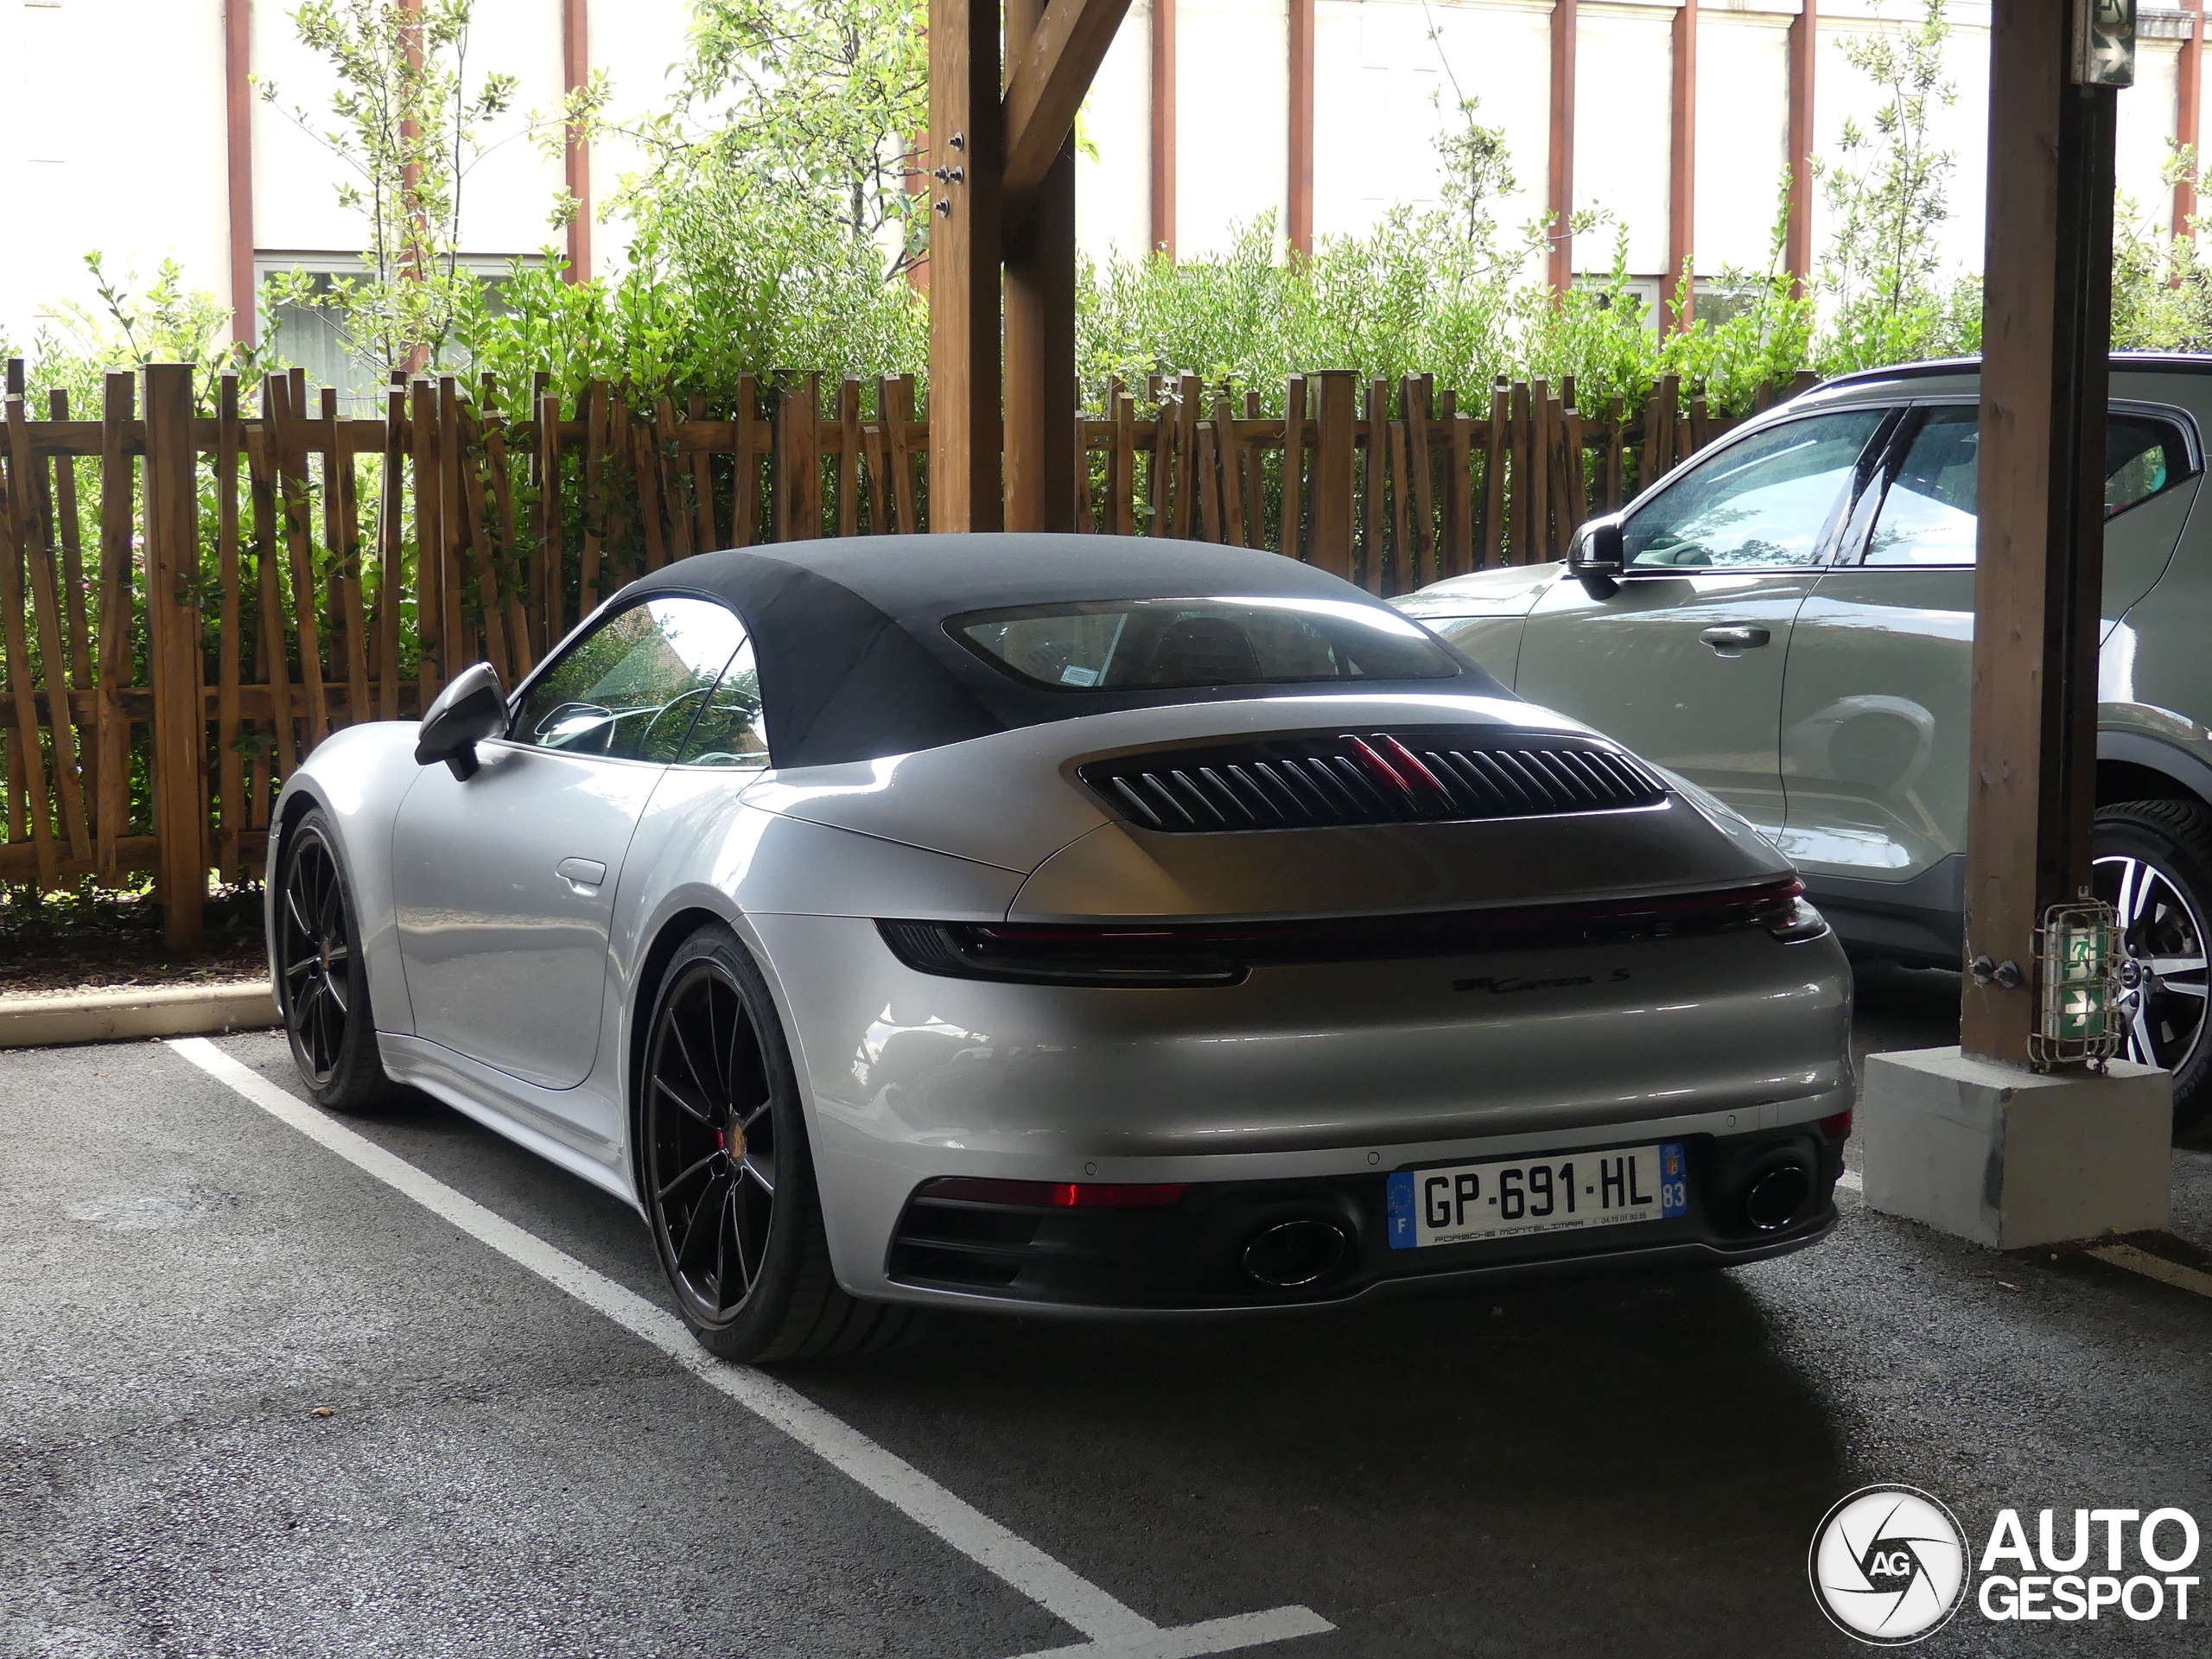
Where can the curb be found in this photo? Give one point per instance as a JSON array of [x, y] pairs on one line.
[[114, 1016]]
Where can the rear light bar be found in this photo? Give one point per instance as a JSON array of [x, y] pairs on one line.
[[1164, 955], [1053, 1195], [1837, 1125]]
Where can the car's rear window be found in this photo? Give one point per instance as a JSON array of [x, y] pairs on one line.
[[1123, 644]]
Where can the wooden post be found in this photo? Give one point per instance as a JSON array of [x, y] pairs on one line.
[[1335, 422], [1682, 172], [238, 117], [576, 70], [1804, 55], [2188, 82], [966, 146], [111, 814], [1302, 125], [173, 626], [1163, 126], [1040, 387], [1559, 202], [2039, 567], [230, 763]]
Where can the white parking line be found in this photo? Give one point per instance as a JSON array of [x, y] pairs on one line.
[[1116, 1631], [2155, 1266]]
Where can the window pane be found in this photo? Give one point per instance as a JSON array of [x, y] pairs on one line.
[[1121, 644], [2142, 457], [1927, 517], [631, 688], [1763, 503], [730, 730]]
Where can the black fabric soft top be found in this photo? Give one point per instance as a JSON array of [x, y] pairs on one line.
[[854, 661]]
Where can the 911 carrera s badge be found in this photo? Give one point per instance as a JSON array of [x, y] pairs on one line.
[[1505, 984]]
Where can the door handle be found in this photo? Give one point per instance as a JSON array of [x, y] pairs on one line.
[[584, 875], [1736, 636]]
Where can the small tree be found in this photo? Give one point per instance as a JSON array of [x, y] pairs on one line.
[[1888, 198], [791, 107], [407, 132]]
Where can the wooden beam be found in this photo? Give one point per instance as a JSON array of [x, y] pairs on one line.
[[2188, 82], [575, 71], [1804, 41], [172, 556], [1560, 199], [237, 108], [2039, 563], [1040, 389], [1302, 125], [1048, 74], [965, 146], [1163, 126], [1681, 167]]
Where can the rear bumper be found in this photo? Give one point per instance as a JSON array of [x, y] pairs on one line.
[[1304, 1085], [1188, 1257]]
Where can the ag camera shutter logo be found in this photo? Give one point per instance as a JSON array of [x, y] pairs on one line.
[[1888, 1565]]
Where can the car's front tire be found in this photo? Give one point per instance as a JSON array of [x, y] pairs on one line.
[[728, 1175], [2154, 867], [322, 979]]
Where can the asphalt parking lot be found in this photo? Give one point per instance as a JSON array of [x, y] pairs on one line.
[[255, 1401]]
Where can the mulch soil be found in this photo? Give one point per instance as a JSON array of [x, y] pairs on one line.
[[104, 941]]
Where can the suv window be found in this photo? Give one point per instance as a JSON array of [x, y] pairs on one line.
[[1765, 502], [1928, 515], [2142, 457], [631, 688]]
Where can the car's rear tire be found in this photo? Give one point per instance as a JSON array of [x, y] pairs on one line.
[[727, 1174], [2154, 866], [322, 979]]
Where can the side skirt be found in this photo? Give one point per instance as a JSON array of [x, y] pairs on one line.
[[453, 1078]]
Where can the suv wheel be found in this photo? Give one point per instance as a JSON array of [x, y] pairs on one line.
[[2154, 868]]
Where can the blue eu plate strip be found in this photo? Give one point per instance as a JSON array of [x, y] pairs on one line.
[[1404, 1236], [1673, 1181]]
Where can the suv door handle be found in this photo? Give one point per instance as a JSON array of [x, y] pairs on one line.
[[583, 875], [1736, 636]]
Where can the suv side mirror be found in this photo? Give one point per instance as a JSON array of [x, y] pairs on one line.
[[472, 708], [1598, 555]]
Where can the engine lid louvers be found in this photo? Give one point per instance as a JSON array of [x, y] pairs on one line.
[[1370, 777]]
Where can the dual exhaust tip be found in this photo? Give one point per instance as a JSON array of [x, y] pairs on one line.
[[1297, 1254]]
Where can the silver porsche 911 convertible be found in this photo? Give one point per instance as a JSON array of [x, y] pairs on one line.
[[1063, 923]]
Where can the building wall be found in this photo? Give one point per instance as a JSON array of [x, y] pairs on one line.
[[113, 136]]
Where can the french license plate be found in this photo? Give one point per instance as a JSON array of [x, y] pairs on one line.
[[1564, 1192]]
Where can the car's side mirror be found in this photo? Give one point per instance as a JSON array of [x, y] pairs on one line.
[[472, 708], [1598, 555]]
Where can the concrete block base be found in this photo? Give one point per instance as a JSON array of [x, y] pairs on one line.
[[2010, 1158]]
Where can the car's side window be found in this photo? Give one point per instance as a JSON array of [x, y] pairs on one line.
[[1763, 504], [2144, 455], [631, 689], [1928, 515], [731, 731]]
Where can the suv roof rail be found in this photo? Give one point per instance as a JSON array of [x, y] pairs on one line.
[[2193, 362]]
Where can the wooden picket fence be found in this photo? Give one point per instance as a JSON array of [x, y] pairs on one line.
[[194, 600]]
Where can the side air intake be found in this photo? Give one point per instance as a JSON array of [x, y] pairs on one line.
[[1307, 783]]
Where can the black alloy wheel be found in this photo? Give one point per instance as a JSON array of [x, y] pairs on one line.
[[2154, 866], [726, 1172], [322, 982], [714, 1145]]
